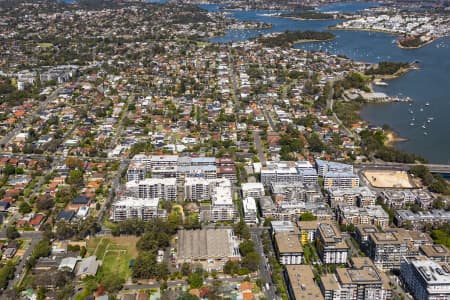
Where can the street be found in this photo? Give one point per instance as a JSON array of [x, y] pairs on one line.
[[258, 145], [263, 265], [35, 237]]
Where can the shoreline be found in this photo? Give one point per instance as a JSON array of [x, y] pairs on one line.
[[311, 41], [387, 32], [419, 46], [393, 138], [305, 19]]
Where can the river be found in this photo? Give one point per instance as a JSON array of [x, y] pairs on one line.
[[430, 83]]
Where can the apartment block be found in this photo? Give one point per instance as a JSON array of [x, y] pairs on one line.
[[293, 172], [332, 249], [374, 215], [136, 208], [361, 281], [386, 249], [340, 180], [301, 283], [153, 188], [252, 189], [250, 210], [288, 248], [425, 279], [324, 167]]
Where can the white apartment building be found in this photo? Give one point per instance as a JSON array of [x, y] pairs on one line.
[[301, 171], [153, 188], [136, 171], [252, 189], [250, 210], [218, 191], [136, 208], [425, 279]]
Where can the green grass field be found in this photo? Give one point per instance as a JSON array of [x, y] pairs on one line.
[[45, 45], [115, 254]]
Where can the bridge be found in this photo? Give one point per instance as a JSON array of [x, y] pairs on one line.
[[434, 168]]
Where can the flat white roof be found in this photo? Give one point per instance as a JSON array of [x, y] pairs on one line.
[[137, 202]]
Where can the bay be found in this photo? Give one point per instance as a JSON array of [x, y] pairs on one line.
[[429, 84]]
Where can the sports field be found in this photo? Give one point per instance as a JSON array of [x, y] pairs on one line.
[[115, 254]]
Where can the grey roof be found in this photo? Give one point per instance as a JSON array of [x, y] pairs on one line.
[[88, 266], [205, 243]]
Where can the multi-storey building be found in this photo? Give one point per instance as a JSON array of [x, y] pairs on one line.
[[331, 247], [226, 168], [293, 172], [340, 180], [136, 171], [301, 283], [308, 231], [218, 191], [425, 279], [137, 208], [201, 189], [419, 219], [436, 252], [324, 167], [387, 248], [295, 192], [362, 232], [252, 189], [165, 189], [363, 215], [359, 282], [288, 248], [398, 199], [250, 210]]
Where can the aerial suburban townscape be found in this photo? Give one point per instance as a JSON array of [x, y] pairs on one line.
[[219, 150]]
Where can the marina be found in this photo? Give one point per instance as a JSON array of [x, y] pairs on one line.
[[429, 83]]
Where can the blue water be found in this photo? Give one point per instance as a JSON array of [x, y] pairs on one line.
[[428, 84]]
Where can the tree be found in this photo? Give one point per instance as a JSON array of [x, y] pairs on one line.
[[112, 283], [241, 230], [247, 247], [186, 269], [6, 273], [187, 296], [64, 230], [162, 271], [307, 216], [144, 266], [44, 203], [12, 233], [251, 261], [24, 208], [74, 163], [75, 177], [231, 267], [195, 280], [42, 249]]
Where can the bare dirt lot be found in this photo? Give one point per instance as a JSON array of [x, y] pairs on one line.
[[388, 179]]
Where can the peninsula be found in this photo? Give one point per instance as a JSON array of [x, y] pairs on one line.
[[289, 38]]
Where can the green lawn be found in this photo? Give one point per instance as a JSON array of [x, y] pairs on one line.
[[45, 45], [115, 254]]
